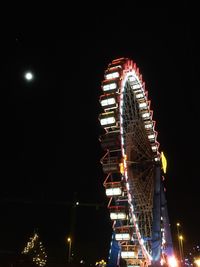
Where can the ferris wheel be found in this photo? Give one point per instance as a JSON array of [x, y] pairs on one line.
[[133, 170]]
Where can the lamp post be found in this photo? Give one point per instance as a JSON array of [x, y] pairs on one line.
[[181, 246], [179, 241], [69, 250]]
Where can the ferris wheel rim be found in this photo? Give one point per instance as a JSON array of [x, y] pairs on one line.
[[126, 70]]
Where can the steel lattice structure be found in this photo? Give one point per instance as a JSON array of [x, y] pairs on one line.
[[133, 169]]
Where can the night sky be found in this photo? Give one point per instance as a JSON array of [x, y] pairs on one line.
[[49, 149]]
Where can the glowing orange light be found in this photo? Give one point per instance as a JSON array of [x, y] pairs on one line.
[[122, 168], [197, 262]]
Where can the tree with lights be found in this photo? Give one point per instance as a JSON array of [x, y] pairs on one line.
[[35, 249], [100, 263]]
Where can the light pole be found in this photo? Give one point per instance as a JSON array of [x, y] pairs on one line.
[[69, 250], [181, 246]]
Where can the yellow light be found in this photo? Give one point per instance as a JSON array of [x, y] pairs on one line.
[[101, 263], [197, 262], [180, 237], [69, 239], [164, 162]]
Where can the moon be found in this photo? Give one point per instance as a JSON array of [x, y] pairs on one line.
[[28, 76]]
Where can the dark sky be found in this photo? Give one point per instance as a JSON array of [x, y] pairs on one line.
[[49, 145]]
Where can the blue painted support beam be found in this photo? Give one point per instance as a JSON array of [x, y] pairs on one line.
[[164, 212], [114, 254], [156, 227]]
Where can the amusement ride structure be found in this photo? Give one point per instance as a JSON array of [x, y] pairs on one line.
[[134, 171]]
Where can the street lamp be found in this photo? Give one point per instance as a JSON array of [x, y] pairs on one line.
[[179, 241], [70, 247], [181, 246]]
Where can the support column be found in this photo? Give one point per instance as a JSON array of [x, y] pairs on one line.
[[156, 228], [113, 260]]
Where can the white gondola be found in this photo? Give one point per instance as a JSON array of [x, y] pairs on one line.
[[140, 95], [146, 115], [108, 119], [134, 262], [112, 73], [142, 105], [110, 86], [114, 65], [113, 189], [111, 164], [154, 147], [108, 102], [129, 252], [136, 86], [151, 137], [148, 125], [118, 212], [111, 141], [123, 233]]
